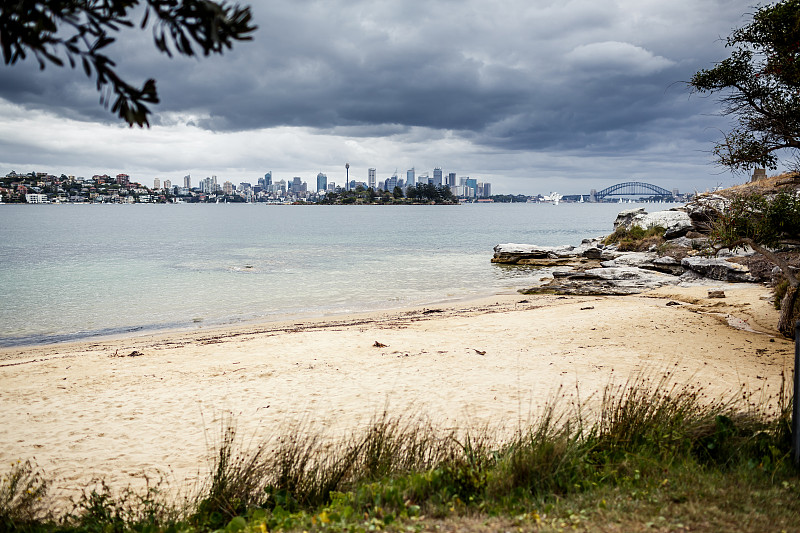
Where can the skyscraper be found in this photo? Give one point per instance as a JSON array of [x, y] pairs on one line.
[[268, 179], [471, 186], [451, 180], [437, 177], [411, 178], [297, 185], [156, 183], [372, 180], [187, 182], [322, 182]]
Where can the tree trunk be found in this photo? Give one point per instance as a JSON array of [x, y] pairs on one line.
[[789, 312]]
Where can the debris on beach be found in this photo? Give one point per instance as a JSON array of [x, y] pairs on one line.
[[379, 345]]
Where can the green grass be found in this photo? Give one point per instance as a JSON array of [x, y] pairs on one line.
[[654, 456]]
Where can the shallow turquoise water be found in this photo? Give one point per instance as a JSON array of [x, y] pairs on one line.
[[75, 271]]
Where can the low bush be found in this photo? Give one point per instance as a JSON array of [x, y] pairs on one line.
[[635, 238]]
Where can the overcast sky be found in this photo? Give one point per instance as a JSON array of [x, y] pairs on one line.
[[531, 95]]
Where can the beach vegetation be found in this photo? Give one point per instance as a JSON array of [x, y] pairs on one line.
[[768, 223], [636, 238], [652, 455], [23, 497], [758, 88]]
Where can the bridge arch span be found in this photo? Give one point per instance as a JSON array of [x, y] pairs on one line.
[[632, 188]]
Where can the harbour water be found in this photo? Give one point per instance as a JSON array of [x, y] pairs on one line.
[[76, 271]]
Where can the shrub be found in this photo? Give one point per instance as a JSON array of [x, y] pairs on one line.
[[635, 238], [23, 496]]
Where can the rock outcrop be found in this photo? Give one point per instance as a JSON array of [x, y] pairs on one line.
[[676, 222], [595, 268]]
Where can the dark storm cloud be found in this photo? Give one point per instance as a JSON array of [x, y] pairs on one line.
[[514, 75]]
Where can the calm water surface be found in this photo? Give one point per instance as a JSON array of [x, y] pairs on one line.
[[76, 271]]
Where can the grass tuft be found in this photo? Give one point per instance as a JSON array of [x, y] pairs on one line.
[[23, 497], [649, 447], [635, 238]]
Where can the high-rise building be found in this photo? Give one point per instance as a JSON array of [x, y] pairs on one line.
[[437, 177], [156, 183], [168, 185], [297, 185], [451, 180], [371, 179], [390, 183], [322, 182], [227, 188], [268, 179], [411, 178], [487, 190], [187, 182], [123, 179], [471, 186]]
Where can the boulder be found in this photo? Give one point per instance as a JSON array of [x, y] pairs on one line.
[[625, 218], [685, 242], [718, 268], [604, 254], [532, 254], [604, 281], [675, 222], [631, 259], [667, 265], [705, 208]]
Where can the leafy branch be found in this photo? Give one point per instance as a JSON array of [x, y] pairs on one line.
[[80, 31]]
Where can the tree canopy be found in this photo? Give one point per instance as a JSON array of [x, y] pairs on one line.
[[759, 87], [80, 31]]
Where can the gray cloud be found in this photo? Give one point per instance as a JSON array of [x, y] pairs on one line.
[[590, 77]]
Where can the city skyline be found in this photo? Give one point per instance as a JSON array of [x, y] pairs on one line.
[[535, 96]]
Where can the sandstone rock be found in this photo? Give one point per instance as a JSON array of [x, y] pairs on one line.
[[534, 255], [631, 259], [704, 208], [593, 253], [718, 268], [625, 218], [686, 242], [676, 222], [588, 244], [668, 265], [604, 281]]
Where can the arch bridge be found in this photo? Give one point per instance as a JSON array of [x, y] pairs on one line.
[[633, 188]]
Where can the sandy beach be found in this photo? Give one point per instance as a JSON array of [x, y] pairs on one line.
[[117, 408]]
